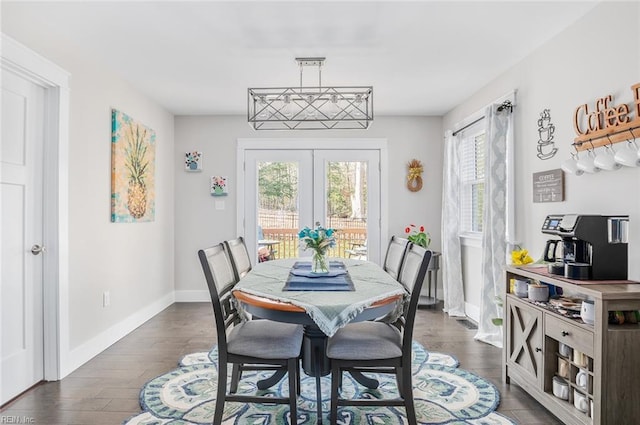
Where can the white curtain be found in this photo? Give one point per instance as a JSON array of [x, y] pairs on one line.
[[494, 243], [451, 255]]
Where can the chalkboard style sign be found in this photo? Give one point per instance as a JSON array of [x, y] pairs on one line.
[[548, 186]]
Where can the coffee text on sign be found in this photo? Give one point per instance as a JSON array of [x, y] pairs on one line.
[[606, 121]]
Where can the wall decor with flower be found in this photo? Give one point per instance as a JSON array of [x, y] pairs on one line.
[[414, 176], [193, 161], [219, 186]]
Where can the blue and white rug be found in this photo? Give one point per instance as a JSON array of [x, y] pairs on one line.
[[443, 394]]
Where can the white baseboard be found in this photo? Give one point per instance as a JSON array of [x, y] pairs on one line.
[[472, 311], [193, 296], [85, 352]]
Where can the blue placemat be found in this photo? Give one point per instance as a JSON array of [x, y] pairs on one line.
[[302, 279]]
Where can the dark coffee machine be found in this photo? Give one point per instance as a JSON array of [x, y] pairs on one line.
[[592, 246]]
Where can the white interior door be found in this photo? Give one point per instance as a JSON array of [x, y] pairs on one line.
[[21, 182], [300, 186]]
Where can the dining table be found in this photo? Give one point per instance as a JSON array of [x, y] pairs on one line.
[[287, 291]]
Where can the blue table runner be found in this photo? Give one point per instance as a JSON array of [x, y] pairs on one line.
[[302, 279]]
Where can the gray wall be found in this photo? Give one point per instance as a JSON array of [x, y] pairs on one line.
[[576, 67], [199, 224], [134, 262]]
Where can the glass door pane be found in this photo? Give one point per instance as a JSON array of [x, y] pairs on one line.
[[347, 198], [278, 215], [346, 207], [278, 188]]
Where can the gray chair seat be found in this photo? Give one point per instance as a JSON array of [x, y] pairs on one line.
[[366, 341], [265, 339]]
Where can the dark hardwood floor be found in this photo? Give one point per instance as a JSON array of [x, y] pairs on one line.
[[105, 390]]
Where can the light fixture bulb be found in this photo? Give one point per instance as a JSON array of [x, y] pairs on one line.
[[263, 106], [310, 110]]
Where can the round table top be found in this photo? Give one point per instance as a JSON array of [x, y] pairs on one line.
[[375, 294]]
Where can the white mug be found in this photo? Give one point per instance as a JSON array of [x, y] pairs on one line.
[[580, 401], [587, 312], [605, 160], [587, 163], [628, 155], [582, 379], [571, 166]]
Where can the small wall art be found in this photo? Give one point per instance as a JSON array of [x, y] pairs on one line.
[[193, 161], [546, 147], [219, 186], [133, 159], [548, 186]]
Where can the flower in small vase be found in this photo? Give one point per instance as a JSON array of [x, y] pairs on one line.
[[521, 257], [319, 240], [417, 235]]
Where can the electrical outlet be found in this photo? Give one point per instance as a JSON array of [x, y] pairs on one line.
[[106, 299]]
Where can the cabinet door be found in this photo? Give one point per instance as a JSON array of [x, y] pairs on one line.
[[524, 341]]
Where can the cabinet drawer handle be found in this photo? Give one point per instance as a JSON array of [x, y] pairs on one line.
[[565, 333], [538, 349]]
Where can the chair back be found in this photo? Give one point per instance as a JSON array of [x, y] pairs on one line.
[[240, 259], [220, 277], [395, 255], [412, 274]]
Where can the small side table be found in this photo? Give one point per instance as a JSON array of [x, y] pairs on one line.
[[426, 299]]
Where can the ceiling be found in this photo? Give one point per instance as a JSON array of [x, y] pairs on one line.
[[421, 57]]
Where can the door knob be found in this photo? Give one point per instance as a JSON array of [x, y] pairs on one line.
[[37, 249]]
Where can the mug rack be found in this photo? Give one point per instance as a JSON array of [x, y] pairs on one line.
[[631, 132]]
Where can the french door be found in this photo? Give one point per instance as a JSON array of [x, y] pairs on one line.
[[288, 189]]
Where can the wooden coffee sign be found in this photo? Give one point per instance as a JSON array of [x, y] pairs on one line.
[[606, 122], [548, 186]]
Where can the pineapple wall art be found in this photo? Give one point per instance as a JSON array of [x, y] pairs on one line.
[[133, 157]]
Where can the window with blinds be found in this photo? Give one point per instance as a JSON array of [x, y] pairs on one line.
[[472, 161]]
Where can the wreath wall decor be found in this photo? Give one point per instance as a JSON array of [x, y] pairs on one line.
[[414, 177]]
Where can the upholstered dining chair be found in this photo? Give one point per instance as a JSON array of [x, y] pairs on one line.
[[395, 254], [378, 347], [240, 259], [263, 344]]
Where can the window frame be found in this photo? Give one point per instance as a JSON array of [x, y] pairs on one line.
[[469, 236]]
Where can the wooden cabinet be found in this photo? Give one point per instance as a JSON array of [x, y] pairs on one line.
[[603, 364]]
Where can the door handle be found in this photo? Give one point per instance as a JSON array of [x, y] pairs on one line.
[[37, 249]]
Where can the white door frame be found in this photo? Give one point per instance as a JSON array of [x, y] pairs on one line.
[[28, 64], [342, 143]]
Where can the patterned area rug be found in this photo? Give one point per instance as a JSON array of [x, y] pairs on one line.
[[443, 394]]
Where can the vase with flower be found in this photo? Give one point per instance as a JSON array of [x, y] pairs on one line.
[[319, 240], [417, 235]]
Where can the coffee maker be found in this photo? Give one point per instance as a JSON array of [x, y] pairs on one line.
[[592, 247]]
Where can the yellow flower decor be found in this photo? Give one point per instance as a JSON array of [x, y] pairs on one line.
[[521, 257], [414, 177]]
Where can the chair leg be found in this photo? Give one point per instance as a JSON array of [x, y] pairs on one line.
[[236, 375], [407, 394], [399, 382], [294, 384], [336, 378], [298, 376], [222, 392]]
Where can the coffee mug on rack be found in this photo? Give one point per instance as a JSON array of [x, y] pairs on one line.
[[587, 163], [580, 358], [580, 401], [605, 160], [582, 379], [571, 166], [628, 155], [563, 368]]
